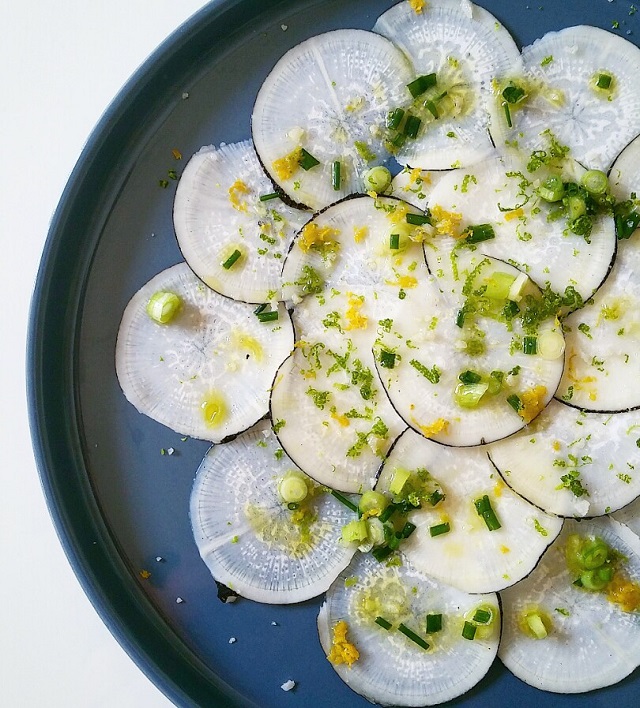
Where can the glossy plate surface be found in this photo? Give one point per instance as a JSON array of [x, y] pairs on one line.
[[118, 503]]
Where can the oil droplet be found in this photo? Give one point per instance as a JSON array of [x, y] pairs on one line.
[[214, 409], [249, 344]]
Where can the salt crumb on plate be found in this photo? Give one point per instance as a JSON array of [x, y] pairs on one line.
[[232, 640], [284, 28], [288, 685]]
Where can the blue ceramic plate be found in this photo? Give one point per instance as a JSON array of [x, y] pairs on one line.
[[118, 503]]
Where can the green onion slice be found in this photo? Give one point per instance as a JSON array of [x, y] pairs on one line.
[[394, 118], [394, 241], [479, 233], [595, 182], [434, 623], [307, 160], [423, 83], [439, 529], [270, 316], [469, 630], [412, 126], [530, 345], [485, 510], [163, 306]]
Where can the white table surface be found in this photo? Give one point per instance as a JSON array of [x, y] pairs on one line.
[[61, 64]]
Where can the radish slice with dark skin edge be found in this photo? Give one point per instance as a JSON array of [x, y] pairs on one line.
[[207, 372], [603, 354], [415, 185], [560, 77], [248, 536], [466, 48], [630, 516], [590, 641], [572, 463], [220, 210], [330, 97], [469, 556], [392, 669], [504, 194], [467, 380]]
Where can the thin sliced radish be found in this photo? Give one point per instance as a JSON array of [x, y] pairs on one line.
[[329, 96], [560, 80], [466, 48], [468, 556], [207, 372], [591, 641], [218, 212], [630, 516], [503, 193], [465, 378], [349, 245], [602, 370], [573, 463], [249, 537], [415, 185], [391, 668]]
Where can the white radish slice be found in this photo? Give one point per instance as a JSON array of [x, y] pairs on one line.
[[470, 556], [502, 193], [597, 455], [466, 47], [415, 185], [330, 95], [592, 642], [560, 73], [602, 371], [218, 211], [207, 372], [335, 430], [391, 668], [432, 351], [349, 246], [630, 516], [249, 538]]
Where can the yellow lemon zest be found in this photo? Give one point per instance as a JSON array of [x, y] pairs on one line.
[[355, 319], [342, 419], [532, 402], [318, 236], [285, 167], [417, 6], [515, 214], [237, 189], [446, 222], [624, 592], [438, 426], [360, 233], [342, 651], [505, 549]]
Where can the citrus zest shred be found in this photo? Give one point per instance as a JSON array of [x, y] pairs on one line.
[[438, 426], [417, 6], [285, 167], [342, 651], [404, 281], [340, 418], [515, 214], [624, 592], [360, 233], [446, 222], [532, 402], [237, 189], [355, 319], [314, 235]]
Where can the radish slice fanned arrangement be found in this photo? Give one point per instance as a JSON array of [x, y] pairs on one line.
[[439, 369]]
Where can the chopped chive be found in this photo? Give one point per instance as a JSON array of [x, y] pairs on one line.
[[388, 512], [469, 630], [507, 113], [436, 497], [514, 401], [439, 529], [417, 219], [513, 94], [432, 108], [412, 126], [434, 623], [387, 359], [469, 377], [423, 83], [479, 233], [394, 541], [394, 241], [399, 140], [270, 316], [385, 624], [408, 529], [336, 177], [510, 310], [485, 510], [410, 634], [530, 345], [269, 197], [347, 502], [482, 616], [307, 160], [232, 259], [261, 308], [394, 118], [381, 552], [460, 318], [604, 81], [626, 224]]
